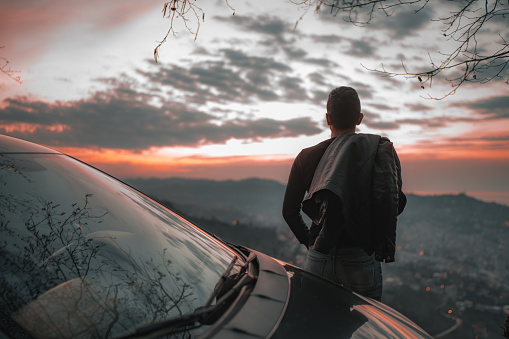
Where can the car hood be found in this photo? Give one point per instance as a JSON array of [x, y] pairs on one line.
[[288, 302], [320, 307]]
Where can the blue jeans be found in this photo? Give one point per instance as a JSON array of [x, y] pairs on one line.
[[350, 267]]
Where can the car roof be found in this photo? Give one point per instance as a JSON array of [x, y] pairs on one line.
[[15, 145]]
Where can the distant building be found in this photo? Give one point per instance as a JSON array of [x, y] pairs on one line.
[[452, 292]]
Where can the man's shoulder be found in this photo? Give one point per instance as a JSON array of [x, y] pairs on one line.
[[369, 136], [310, 156], [318, 148], [373, 138]]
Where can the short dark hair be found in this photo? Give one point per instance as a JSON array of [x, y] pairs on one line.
[[344, 107]]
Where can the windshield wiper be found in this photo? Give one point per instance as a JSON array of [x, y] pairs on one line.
[[227, 287], [241, 250], [221, 281]]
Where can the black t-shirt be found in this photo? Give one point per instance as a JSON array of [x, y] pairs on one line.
[[299, 181]]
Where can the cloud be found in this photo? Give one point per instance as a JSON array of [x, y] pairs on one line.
[[357, 47], [327, 39], [318, 79], [212, 82], [295, 53], [491, 108], [382, 107], [365, 91], [418, 107], [404, 21], [320, 98], [123, 118], [376, 121], [273, 33], [240, 59], [400, 19], [265, 24], [497, 138], [383, 125], [293, 89], [494, 140], [429, 123], [361, 48], [321, 62], [300, 55], [237, 77]]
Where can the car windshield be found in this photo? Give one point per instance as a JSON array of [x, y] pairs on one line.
[[82, 254]]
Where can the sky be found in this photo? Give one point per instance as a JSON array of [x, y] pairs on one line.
[[242, 97]]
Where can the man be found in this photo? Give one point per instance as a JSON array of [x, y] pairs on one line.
[[354, 197]]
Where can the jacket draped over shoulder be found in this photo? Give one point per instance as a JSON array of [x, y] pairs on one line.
[[364, 172]]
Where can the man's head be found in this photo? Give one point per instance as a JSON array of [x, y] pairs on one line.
[[343, 108]]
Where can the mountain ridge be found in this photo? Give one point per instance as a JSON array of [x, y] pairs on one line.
[[259, 202]]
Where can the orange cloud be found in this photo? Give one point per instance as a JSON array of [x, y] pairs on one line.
[[445, 151], [30, 128], [483, 146]]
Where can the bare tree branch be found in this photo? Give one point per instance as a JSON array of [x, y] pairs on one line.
[[182, 9], [463, 26], [6, 69]]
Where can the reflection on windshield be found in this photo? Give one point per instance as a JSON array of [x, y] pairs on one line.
[[84, 255]]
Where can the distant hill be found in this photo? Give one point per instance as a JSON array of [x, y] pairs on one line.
[[281, 245], [259, 202], [252, 201], [468, 213]]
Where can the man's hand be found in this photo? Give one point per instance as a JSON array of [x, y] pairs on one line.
[[384, 258]]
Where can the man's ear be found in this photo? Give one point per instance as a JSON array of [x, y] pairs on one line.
[[361, 116], [327, 117]]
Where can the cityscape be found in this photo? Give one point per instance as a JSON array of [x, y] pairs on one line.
[[450, 276]]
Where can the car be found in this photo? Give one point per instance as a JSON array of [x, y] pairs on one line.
[[84, 255]]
